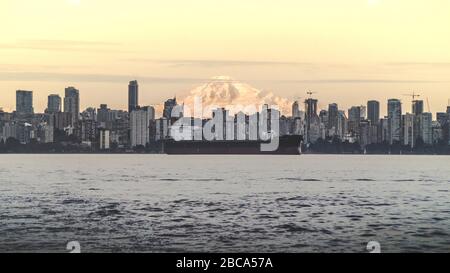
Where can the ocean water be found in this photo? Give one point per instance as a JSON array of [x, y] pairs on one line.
[[159, 203]]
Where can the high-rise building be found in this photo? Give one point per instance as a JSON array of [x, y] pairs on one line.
[[24, 102], [88, 131], [342, 124], [383, 132], [133, 96], [296, 110], [425, 131], [72, 103], [373, 111], [395, 120], [365, 136], [104, 139], [417, 107], [311, 108], [151, 112], [408, 134], [140, 120], [312, 120], [363, 112], [354, 119], [323, 116], [333, 118], [103, 116], [54, 104], [442, 118], [168, 107], [60, 120]]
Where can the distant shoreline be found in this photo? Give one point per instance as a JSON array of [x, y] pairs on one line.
[[141, 153]]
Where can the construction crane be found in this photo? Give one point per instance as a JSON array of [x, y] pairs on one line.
[[310, 93], [413, 95]]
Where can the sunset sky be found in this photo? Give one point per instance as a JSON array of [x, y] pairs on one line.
[[348, 51]]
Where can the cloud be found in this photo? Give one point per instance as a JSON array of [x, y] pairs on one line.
[[358, 81], [62, 45], [421, 64], [221, 63], [75, 77], [9, 75]]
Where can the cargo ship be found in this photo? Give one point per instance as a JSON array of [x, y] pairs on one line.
[[288, 145]]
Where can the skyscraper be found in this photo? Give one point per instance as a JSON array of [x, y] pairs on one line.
[[72, 103], [354, 119], [333, 113], [395, 120], [417, 107], [311, 118], [311, 108], [104, 117], [54, 104], [133, 96], [365, 135], [140, 126], [425, 132], [296, 110], [363, 112], [342, 124], [373, 111], [24, 102], [408, 130], [168, 107]]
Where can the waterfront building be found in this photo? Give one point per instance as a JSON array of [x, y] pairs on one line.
[[373, 111], [60, 120], [133, 96], [9, 130], [54, 104], [140, 126], [417, 107], [395, 120], [425, 128], [408, 135], [72, 104], [24, 102], [365, 136], [333, 119], [88, 131], [312, 120], [342, 124], [296, 113], [354, 119], [104, 118], [104, 139], [169, 105]]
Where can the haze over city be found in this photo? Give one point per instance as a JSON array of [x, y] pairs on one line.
[[347, 51]]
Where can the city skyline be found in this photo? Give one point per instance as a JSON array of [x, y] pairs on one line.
[[382, 109], [346, 51]]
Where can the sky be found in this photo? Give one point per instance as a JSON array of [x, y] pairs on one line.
[[347, 51]]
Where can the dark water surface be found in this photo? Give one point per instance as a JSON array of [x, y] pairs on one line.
[[157, 203]]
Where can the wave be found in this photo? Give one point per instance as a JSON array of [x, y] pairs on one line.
[[299, 179]]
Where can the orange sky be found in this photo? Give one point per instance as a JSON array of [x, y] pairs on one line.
[[348, 51]]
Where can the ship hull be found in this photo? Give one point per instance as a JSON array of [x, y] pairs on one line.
[[289, 145]]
